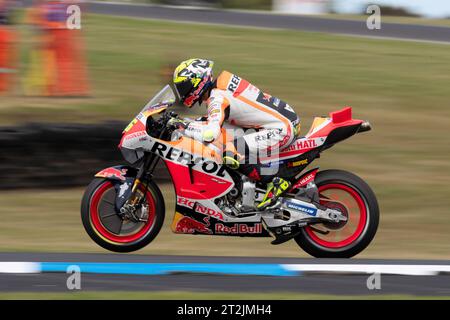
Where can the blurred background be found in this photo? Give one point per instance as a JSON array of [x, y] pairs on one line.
[[67, 90]]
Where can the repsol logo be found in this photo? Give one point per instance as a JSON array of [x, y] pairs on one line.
[[271, 134], [182, 157], [234, 83]]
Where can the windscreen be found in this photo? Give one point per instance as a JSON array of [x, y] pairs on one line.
[[163, 98]]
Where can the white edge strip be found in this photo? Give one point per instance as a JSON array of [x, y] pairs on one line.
[[20, 267], [397, 269]]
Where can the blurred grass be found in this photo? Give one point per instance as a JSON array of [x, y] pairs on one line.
[[187, 295], [401, 87]]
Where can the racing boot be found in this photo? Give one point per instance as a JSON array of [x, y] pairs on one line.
[[274, 190], [231, 158]]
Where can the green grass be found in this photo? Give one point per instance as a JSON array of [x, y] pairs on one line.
[[186, 295], [401, 87]]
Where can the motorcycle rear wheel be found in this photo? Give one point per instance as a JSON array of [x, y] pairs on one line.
[[356, 200]]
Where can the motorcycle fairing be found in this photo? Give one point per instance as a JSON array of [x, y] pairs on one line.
[[190, 221], [195, 168], [195, 210], [200, 179], [136, 129], [324, 132]]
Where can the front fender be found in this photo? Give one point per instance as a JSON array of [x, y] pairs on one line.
[[122, 177], [117, 173]]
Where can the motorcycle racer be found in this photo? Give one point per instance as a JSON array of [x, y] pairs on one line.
[[330, 213], [271, 123]]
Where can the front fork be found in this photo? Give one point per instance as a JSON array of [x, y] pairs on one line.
[[145, 173], [134, 199]]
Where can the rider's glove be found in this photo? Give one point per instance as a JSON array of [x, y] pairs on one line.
[[177, 123]]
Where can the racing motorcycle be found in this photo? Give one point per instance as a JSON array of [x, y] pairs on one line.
[[330, 213]]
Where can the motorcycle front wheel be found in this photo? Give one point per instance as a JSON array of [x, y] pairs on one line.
[[108, 229], [344, 191]]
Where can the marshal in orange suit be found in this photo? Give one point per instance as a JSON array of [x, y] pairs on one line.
[[62, 52], [7, 47]]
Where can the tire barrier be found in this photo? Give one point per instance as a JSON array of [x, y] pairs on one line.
[[44, 155]]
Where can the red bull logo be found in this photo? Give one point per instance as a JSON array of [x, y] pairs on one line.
[[112, 173], [238, 228], [189, 225]]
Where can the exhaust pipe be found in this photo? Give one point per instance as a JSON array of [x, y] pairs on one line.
[[365, 126]]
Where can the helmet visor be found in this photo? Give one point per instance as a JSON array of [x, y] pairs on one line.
[[183, 89]]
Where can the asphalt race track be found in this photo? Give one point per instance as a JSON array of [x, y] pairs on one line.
[[278, 21], [311, 283]]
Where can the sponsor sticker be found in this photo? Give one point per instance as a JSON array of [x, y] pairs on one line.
[[298, 163], [234, 83], [303, 144], [308, 210], [238, 228], [135, 135], [200, 208], [113, 173], [214, 111], [185, 158], [189, 225]]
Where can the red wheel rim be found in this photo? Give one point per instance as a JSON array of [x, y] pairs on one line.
[[105, 233], [356, 220]]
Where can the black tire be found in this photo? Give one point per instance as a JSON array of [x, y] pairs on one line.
[[137, 244], [352, 181]]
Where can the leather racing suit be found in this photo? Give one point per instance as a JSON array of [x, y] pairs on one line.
[[238, 102]]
